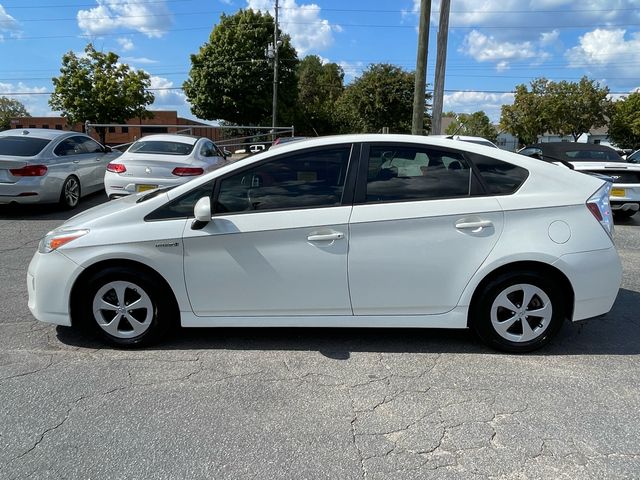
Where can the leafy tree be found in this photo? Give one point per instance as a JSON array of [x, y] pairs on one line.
[[575, 108], [526, 118], [231, 77], [624, 129], [97, 88], [10, 108], [381, 97], [475, 124], [319, 87]]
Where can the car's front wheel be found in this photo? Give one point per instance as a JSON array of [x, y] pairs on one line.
[[518, 312], [126, 306]]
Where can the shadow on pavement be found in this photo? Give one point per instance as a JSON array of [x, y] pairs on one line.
[[617, 333], [50, 211]]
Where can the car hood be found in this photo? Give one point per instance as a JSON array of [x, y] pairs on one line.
[[99, 212]]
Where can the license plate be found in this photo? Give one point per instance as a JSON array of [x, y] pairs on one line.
[[618, 192], [143, 188]]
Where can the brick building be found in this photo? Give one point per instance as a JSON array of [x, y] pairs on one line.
[[134, 129]]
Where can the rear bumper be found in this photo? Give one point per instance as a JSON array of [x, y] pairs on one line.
[[29, 190], [118, 186], [628, 194], [596, 277]]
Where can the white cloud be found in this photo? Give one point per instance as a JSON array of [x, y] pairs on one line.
[[152, 19], [484, 48], [138, 60], [7, 24], [549, 38], [34, 101], [309, 32], [125, 43], [469, 102], [165, 97], [351, 70]]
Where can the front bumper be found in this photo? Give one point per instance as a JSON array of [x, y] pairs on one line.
[[49, 280], [595, 277]]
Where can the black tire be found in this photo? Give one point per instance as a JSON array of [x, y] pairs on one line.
[[133, 328], [487, 316], [70, 193], [624, 214]]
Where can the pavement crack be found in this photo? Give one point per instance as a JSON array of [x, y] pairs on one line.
[[30, 372]]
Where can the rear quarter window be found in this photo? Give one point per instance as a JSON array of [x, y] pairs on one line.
[[502, 178]]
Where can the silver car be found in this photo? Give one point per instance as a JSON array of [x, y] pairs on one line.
[[38, 165]]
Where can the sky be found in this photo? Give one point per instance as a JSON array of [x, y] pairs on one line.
[[493, 45]]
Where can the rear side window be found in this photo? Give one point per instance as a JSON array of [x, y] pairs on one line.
[[406, 173], [502, 178], [22, 146]]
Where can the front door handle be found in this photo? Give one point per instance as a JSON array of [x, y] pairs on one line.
[[475, 226], [325, 237]]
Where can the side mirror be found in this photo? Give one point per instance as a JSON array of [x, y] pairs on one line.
[[226, 153], [202, 212]]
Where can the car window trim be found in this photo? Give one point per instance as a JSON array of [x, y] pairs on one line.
[[483, 182]]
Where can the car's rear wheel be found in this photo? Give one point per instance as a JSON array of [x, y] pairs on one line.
[[518, 312], [70, 194], [126, 306]]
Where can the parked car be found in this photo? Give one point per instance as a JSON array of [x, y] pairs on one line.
[[280, 141], [39, 165], [467, 138], [342, 232], [162, 160], [596, 159]]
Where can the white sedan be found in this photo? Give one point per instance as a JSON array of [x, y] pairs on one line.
[[164, 160], [342, 232]]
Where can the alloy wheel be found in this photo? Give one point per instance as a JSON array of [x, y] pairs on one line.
[[123, 309]]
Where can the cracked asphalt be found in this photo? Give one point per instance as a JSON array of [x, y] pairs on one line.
[[313, 403]]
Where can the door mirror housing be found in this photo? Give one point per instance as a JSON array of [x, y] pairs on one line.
[[202, 213]]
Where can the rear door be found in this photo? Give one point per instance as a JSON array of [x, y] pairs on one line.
[[419, 230]]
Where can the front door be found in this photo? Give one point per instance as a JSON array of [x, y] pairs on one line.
[[278, 241]]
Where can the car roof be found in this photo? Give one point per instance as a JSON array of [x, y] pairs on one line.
[[42, 133], [171, 137]]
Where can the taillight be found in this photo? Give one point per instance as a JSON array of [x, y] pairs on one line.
[[187, 171], [29, 171], [598, 205], [116, 168]]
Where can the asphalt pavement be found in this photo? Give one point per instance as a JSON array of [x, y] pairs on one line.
[[313, 403]]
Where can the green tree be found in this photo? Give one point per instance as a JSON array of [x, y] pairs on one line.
[[475, 124], [381, 97], [575, 108], [97, 88], [319, 87], [231, 77], [624, 128], [10, 108], [526, 118]]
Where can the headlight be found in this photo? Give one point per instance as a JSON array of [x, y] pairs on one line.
[[57, 238]]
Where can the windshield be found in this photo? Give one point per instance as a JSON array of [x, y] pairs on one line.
[[593, 156], [161, 147], [22, 146]]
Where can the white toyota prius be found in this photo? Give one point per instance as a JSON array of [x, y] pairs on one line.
[[345, 231]]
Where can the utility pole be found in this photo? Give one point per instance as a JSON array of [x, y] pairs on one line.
[[275, 74], [417, 122], [441, 62]]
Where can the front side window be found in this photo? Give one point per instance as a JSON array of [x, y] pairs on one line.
[[90, 146], [305, 180], [405, 173], [207, 149]]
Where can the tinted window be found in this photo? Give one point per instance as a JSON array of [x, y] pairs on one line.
[[157, 146], [207, 149], [310, 179], [22, 146], [593, 155], [70, 146], [501, 177], [181, 207], [531, 151], [415, 173], [634, 157]]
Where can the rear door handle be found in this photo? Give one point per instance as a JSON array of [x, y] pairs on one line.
[[476, 226], [325, 237]]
